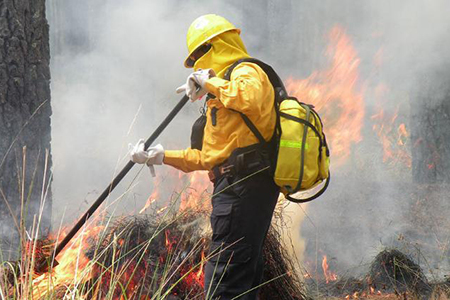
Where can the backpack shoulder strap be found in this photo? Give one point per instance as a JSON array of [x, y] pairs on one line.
[[277, 83], [275, 80]]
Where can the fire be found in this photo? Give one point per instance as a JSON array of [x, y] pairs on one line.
[[335, 94], [402, 134], [200, 272], [393, 138], [73, 266], [372, 293], [435, 158], [329, 276], [197, 277], [123, 277], [161, 210], [169, 241], [149, 202], [194, 195]]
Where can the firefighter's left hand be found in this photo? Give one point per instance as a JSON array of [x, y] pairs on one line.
[[195, 84]]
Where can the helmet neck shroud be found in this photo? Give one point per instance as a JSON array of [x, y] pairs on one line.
[[226, 48]]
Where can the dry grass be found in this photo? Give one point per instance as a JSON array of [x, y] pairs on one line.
[[144, 257]]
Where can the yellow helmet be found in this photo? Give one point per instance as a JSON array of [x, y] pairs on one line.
[[203, 29]]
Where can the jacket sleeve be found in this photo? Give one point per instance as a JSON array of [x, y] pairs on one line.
[[187, 160], [244, 91]]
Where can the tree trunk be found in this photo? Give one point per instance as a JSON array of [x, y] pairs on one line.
[[24, 118], [430, 124]]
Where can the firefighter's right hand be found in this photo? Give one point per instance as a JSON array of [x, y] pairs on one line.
[[151, 156], [195, 84]]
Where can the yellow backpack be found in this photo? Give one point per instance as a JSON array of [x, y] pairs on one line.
[[302, 158]]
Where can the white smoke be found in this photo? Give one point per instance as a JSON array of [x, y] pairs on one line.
[[117, 63]]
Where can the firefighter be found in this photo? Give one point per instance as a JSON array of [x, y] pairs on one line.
[[244, 194]]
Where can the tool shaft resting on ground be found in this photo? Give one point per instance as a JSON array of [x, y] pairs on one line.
[[42, 266]]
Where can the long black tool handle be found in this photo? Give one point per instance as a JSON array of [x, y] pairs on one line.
[[118, 178]]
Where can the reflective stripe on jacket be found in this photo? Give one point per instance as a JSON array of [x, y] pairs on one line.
[[249, 91]]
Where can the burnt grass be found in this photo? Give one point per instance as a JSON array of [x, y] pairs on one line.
[[175, 248], [147, 257], [391, 272]]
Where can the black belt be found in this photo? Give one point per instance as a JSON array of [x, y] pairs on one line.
[[221, 170], [241, 161]]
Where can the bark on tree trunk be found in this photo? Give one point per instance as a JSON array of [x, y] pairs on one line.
[[24, 116]]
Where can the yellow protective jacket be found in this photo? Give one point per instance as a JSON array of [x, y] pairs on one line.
[[249, 91]]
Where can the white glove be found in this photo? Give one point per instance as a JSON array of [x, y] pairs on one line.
[[195, 84], [153, 155]]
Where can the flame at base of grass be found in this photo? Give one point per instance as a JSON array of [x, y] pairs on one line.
[[329, 276], [133, 258], [194, 195], [73, 268]]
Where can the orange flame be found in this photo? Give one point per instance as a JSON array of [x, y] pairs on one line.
[[159, 211], [329, 276], [402, 134], [169, 242], [335, 95], [198, 184], [149, 202], [200, 273], [363, 295], [75, 267], [73, 264], [393, 141]]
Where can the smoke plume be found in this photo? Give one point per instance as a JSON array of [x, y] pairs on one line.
[[116, 65]]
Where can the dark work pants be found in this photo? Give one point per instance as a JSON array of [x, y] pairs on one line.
[[240, 220]]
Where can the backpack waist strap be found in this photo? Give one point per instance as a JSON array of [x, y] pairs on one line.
[[243, 161]]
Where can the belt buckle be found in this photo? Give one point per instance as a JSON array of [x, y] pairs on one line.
[[224, 170], [211, 176]]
